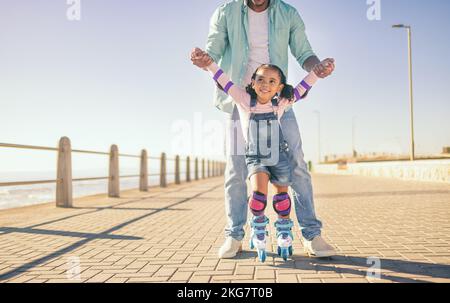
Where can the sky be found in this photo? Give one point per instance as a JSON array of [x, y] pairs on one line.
[[122, 75]]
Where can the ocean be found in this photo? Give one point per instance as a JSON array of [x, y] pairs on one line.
[[18, 196]]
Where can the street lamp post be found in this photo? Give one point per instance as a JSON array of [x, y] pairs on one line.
[[411, 104], [318, 131], [354, 153]]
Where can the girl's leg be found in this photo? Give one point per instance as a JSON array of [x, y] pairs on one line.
[[260, 182], [257, 205], [282, 206], [282, 202], [258, 200]]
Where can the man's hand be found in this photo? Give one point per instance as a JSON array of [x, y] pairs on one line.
[[200, 58], [324, 68]]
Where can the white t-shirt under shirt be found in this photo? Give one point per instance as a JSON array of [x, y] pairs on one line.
[[258, 36]]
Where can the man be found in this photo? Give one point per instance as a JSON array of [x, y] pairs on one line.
[[243, 35]]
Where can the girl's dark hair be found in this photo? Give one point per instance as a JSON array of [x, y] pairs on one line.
[[288, 90]]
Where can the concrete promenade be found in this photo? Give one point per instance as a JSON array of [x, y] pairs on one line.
[[172, 235], [419, 170]]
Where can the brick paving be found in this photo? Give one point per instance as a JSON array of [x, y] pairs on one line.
[[173, 234]]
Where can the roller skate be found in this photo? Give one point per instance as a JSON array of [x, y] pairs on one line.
[[284, 237], [259, 235]]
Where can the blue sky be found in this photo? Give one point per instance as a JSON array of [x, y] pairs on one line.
[[121, 75]]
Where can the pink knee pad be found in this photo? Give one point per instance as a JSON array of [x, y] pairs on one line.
[[282, 204], [257, 203]]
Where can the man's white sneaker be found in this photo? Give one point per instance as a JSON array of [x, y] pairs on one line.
[[318, 248], [230, 248]]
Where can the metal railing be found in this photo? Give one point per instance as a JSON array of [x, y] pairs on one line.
[[64, 180]]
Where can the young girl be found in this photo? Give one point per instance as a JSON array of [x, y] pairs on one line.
[[261, 106]]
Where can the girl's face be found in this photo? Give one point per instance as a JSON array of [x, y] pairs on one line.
[[267, 84]]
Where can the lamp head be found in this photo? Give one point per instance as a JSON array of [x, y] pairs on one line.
[[400, 26]]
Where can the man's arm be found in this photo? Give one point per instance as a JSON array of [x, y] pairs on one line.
[[301, 49], [310, 62], [216, 42], [218, 35], [298, 42]]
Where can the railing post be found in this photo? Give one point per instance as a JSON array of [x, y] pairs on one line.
[[188, 169], [143, 181], [162, 175], [196, 169], [114, 181], [177, 170], [203, 168], [64, 174], [209, 168]]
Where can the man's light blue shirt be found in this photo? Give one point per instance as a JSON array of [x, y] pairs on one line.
[[228, 41]]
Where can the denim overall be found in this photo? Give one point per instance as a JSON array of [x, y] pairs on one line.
[[266, 149]]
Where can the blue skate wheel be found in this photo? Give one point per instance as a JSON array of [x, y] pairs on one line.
[[262, 255], [284, 253]]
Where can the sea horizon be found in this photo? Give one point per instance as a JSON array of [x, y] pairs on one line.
[[26, 195]]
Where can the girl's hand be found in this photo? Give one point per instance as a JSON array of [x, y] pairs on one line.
[[324, 68]]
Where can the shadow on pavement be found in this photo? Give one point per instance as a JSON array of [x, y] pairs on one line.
[[388, 267], [87, 237]]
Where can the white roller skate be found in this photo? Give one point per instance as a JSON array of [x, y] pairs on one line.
[[284, 237], [259, 235]]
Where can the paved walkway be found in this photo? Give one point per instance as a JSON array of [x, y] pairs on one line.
[[173, 234]]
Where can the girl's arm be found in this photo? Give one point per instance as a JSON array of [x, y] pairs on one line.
[[239, 95], [302, 89]]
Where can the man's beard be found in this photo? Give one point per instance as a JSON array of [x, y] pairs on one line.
[[259, 4]]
